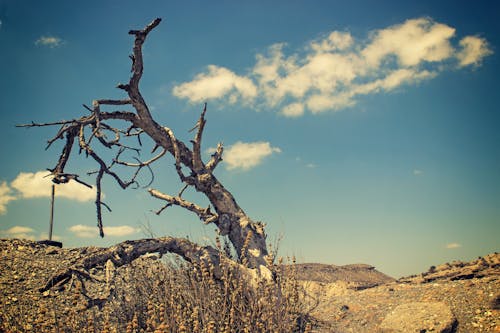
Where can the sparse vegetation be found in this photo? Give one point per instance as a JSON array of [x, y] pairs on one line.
[[173, 296], [163, 295]]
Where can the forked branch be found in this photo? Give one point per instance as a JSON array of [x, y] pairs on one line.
[[91, 132], [203, 213]]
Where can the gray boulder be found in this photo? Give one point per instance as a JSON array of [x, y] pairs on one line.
[[420, 317]]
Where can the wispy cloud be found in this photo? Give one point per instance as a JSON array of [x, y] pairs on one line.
[[23, 232], [36, 185], [453, 246], [49, 41], [86, 231], [247, 155], [218, 81], [411, 43], [418, 172], [45, 235], [335, 70], [28, 185], [6, 196], [20, 232], [293, 110], [474, 49]]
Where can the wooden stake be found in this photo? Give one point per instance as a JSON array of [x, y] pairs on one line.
[[52, 211]]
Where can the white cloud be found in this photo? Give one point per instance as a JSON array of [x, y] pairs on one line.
[[323, 72], [49, 41], [119, 231], [45, 235], [20, 232], [412, 42], [5, 197], [335, 41], [267, 68], [391, 81], [293, 110], [417, 172], [474, 49], [329, 102], [453, 246], [218, 82], [403, 76], [332, 102], [331, 73], [29, 185], [245, 156], [86, 231], [37, 185]]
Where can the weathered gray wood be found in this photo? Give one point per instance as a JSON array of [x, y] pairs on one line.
[[126, 252], [248, 237]]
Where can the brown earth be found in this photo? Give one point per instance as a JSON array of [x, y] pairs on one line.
[[471, 290], [352, 298]]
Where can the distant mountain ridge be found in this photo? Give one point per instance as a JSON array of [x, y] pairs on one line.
[[362, 276], [357, 276], [459, 270]]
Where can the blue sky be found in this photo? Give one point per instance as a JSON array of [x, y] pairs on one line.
[[362, 131]]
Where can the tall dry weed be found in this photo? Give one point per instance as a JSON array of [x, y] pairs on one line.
[[173, 296]]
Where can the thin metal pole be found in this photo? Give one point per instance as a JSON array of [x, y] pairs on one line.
[[52, 211]]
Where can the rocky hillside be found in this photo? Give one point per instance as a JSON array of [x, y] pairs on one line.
[[458, 270], [357, 276], [461, 297]]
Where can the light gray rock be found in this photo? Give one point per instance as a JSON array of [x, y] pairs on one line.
[[420, 317]]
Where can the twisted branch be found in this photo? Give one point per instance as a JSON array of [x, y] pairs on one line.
[[126, 252], [203, 213], [198, 165], [228, 215]]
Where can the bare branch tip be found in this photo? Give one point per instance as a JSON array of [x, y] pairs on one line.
[[88, 108], [147, 29], [122, 86]]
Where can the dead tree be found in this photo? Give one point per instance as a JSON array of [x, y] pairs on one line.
[[99, 129]]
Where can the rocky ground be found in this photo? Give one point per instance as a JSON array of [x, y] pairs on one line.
[[455, 297]]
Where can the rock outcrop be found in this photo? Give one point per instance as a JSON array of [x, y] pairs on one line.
[[420, 317], [458, 270], [357, 276]]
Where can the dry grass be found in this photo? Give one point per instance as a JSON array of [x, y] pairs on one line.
[[178, 297]]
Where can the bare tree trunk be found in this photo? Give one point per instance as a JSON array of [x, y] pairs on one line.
[[247, 237], [126, 252], [229, 218]]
